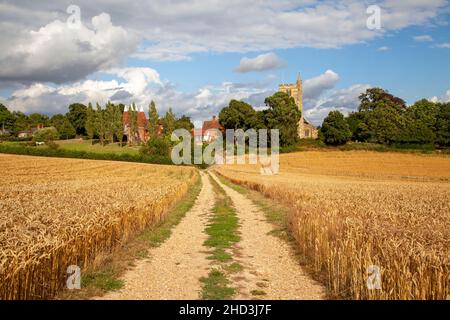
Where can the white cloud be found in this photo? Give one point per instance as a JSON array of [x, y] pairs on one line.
[[314, 87], [384, 48], [175, 30], [263, 62], [445, 45], [56, 53], [423, 38], [345, 100], [139, 85], [443, 98]]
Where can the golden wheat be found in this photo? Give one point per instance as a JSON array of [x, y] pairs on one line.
[[60, 212], [351, 210]]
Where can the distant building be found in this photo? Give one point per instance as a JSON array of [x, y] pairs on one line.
[[211, 128], [142, 134], [209, 131], [305, 129], [29, 132], [198, 135]]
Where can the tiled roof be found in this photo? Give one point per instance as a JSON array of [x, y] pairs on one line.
[[212, 124]]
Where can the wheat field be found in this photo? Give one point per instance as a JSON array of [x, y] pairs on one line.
[[352, 210], [60, 212]]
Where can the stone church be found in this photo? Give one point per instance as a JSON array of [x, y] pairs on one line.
[[305, 129]]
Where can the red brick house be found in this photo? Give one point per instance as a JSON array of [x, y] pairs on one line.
[[209, 131], [142, 134]]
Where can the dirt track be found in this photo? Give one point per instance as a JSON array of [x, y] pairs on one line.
[[269, 263], [173, 270]]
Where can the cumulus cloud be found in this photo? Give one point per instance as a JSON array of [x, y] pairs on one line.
[[314, 87], [175, 30], [423, 38], [444, 98], [57, 53], [141, 85], [263, 62], [445, 45], [384, 48], [138, 85], [345, 100]]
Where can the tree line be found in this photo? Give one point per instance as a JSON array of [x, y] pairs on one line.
[[281, 113], [103, 123], [381, 118], [386, 119]]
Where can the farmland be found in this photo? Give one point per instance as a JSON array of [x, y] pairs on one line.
[[61, 212], [351, 210]]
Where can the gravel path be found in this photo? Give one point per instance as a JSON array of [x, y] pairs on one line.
[[173, 269], [270, 266]]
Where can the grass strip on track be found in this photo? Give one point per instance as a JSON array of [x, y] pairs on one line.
[[222, 232]]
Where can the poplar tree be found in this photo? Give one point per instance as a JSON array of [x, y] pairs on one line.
[[153, 118], [100, 124], [118, 124], [90, 122], [109, 118], [169, 122]]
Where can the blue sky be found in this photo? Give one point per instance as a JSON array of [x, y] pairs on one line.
[[408, 68], [195, 56]]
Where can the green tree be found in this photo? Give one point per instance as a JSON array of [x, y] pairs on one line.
[[48, 134], [21, 122], [169, 122], [157, 146], [77, 116], [375, 98], [118, 123], [184, 123], [420, 123], [386, 125], [100, 124], [109, 115], [153, 118], [37, 118], [383, 116], [239, 115], [283, 114], [443, 124], [335, 130], [63, 126], [90, 122], [6, 118], [359, 129]]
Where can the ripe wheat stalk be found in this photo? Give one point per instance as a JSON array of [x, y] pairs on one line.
[[61, 212], [353, 210]]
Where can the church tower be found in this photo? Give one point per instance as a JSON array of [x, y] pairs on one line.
[[299, 100], [305, 129], [295, 91]]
